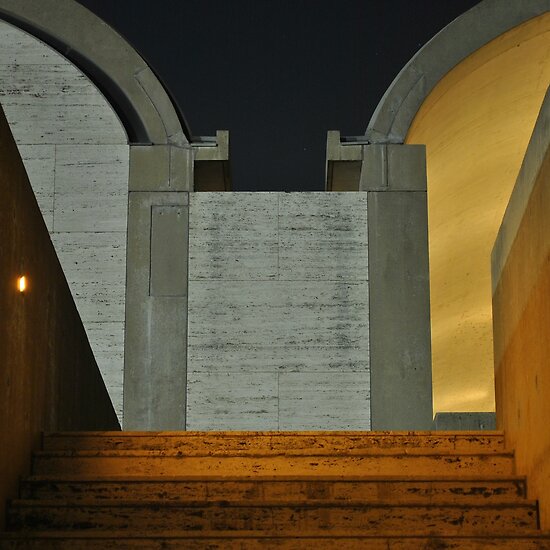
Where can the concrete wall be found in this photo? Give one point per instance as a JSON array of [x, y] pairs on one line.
[[521, 317], [49, 378], [278, 312], [76, 155], [394, 178]]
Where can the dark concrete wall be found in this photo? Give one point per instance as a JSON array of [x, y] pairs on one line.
[[49, 378], [521, 318]]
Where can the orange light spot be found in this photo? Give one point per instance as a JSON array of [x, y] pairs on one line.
[[22, 283]]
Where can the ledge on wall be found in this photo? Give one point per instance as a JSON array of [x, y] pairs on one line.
[[344, 161], [465, 421], [211, 168]]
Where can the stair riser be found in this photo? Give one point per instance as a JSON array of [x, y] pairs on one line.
[[336, 543], [285, 520], [256, 491], [401, 465], [278, 442]]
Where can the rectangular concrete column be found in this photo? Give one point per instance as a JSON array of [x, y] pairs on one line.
[[400, 347], [155, 363]]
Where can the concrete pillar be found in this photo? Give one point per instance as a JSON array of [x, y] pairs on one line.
[[155, 363], [400, 352]]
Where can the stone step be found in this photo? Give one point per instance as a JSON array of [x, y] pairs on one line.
[[239, 541], [181, 489], [276, 441], [353, 518], [104, 463]]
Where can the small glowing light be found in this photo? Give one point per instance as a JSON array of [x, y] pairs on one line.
[[22, 283]]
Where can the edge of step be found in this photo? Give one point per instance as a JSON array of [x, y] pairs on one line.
[[332, 433], [205, 478], [246, 535], [305, 503], [154, 453]]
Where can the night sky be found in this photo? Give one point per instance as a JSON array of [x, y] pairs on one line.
[[278, 73]]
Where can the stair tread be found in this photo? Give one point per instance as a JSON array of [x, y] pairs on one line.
[[327, 503], [237, 534], [271, 478], [337, 433], [321, 487], [153, 453]]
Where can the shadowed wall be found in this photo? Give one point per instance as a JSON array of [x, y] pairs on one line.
[[49, 378]]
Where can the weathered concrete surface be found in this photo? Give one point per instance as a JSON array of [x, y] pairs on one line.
[[465, 421], [394, 177], [243, 541], [49, 376], [278, 517], [75, 152], [271, 490], [156, 323], [278, 442], [521, 306], [329, 491], [401, 378], [318, 489], [367, 463], [278, 311], [130, 85]]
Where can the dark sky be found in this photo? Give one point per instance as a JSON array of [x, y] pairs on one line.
[[278, 73]]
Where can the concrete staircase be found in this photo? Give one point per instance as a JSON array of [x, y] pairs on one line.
[[238, 490]]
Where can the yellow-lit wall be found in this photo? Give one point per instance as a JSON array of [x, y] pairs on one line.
[[476, 125], [521, 305]]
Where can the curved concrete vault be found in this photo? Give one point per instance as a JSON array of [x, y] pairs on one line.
[[472, 96], [476, 125]]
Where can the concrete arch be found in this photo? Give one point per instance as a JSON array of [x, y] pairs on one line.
[[488, 72], [394, 114], [139, 98], [162, 172]]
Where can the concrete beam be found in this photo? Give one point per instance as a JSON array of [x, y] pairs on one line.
[[160, 168]]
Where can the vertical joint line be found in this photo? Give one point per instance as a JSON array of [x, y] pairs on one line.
[[386, 167], [53, 191], [279, 401], [369, 310], [186, 335], [278, 237]]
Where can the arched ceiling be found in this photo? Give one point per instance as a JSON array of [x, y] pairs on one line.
[[476, 124]]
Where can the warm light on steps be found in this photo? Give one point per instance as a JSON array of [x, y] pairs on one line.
[[247, 490]]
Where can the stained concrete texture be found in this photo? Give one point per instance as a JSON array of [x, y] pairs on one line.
[[278, 311], [140, 98], [401, 383], [327, 490], [465, 421], [156, 313]]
